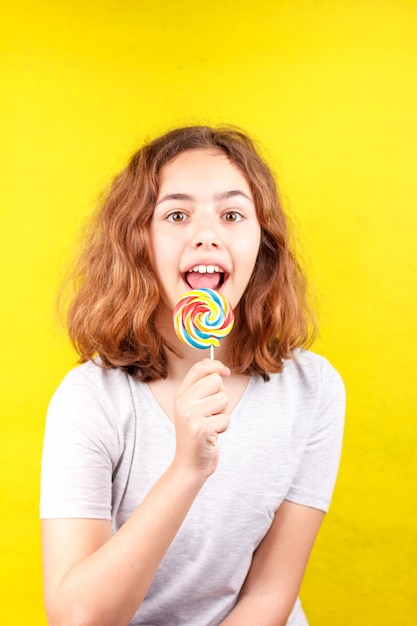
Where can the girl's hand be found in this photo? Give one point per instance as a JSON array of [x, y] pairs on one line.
[[200, 415]]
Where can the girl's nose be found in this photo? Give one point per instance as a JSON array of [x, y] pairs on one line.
[[205, 235], [206, 241]]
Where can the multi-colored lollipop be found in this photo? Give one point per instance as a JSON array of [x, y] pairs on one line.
[[202, 317]]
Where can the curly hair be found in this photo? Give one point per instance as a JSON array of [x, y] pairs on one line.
[[113, 310]]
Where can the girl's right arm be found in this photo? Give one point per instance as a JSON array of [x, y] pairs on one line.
[[93, 578]]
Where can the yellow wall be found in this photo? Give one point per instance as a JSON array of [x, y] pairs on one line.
[[330, 89]]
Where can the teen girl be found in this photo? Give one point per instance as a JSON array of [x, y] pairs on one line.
[[179, 490]]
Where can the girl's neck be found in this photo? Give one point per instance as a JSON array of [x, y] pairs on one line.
[[179, 364]]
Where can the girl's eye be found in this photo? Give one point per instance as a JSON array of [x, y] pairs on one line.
[[232, 216], [176, 216]]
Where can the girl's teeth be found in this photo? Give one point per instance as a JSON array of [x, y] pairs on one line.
[[209, 269]]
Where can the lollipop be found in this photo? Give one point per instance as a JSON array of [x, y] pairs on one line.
[[202, 317]]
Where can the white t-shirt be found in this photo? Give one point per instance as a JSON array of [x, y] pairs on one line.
[[107, 441]]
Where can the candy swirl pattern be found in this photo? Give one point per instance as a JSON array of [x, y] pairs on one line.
[[202, 317]]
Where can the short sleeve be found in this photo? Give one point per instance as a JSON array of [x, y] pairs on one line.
[[79, 452], [316, 476]]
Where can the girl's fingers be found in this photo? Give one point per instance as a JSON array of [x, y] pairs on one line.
[[194, 406], [200, 415], [211, 405], [202, 370], [202, 391], [219, 423]]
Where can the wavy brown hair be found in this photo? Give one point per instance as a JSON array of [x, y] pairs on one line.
[[112, 312]]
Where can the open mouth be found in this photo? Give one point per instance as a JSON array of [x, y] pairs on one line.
[[205, 276]]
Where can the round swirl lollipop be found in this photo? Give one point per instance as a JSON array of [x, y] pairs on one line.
[[202, 317]]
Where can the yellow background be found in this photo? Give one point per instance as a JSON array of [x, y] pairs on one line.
[[329, 88]]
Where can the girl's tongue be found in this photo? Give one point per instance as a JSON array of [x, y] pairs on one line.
[[198, 281]]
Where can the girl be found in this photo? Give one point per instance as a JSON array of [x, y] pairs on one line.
[[178, 489]]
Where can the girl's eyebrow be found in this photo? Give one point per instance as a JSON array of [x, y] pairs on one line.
[[224, 195], [175, 196]]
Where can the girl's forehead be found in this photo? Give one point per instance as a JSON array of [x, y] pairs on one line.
[[201, 166]]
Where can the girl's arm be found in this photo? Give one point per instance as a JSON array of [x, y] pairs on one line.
[[93, 578], [274, 579]]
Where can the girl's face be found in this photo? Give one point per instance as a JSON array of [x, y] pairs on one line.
[[204, 231]]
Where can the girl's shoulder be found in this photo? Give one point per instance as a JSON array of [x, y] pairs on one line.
[[89, 391], [307, 380], [91, 375], [310, 368]]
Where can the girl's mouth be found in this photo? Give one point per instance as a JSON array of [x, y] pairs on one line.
[[204, 276]]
